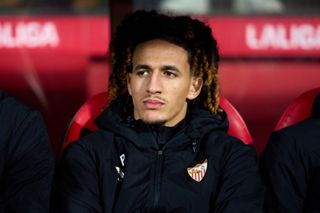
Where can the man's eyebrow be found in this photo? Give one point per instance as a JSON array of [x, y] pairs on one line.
[[170, 67], [141, 66]]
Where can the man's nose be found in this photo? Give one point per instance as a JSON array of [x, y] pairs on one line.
[[154, 83]]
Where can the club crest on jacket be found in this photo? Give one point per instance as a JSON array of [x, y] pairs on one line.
[[198, 172]]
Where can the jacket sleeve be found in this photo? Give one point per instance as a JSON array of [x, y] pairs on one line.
[[29, 166], [76, 187], [284, 174], [240, 188]]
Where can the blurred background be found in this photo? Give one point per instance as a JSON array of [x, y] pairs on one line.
[[53, 53]]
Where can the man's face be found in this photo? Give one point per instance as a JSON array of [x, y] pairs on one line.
[[161, 83]]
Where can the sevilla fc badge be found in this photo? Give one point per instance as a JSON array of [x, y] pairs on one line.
[[198, 171]]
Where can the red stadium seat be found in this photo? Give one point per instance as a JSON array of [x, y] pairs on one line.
[[298, 110], [85, 116], [237, 126]]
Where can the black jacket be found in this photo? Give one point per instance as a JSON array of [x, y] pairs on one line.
[[290, 165], [26, 160], [122, 168]]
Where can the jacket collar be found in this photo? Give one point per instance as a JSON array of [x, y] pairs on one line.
[[118, 119]]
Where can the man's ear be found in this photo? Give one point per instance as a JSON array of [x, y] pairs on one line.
[[128, 82], [195, 88]]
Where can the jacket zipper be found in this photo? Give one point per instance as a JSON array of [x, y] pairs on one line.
[[157, 182]]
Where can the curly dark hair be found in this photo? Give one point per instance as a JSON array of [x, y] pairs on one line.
[[184, 31]]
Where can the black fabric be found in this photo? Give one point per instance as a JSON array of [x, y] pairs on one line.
[[163, 133], [315, 113], [26, 160], [155, 176], [290, 165]]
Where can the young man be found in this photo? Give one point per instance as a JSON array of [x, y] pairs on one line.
[[163, 144], [290, 166], [26, 160]]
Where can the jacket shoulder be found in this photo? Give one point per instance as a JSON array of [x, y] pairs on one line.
[[228, 150], [18, 120], [220, 140], [11, 105], [97, 144], [301, 138], [13, 112]]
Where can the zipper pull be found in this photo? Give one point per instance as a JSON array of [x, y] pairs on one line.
[[194, 145]]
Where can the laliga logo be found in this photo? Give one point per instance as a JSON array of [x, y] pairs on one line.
[[282, 37], [28, 34]]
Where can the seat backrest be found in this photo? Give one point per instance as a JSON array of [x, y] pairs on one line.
[[237, 126], [298, 110], [83, 120]]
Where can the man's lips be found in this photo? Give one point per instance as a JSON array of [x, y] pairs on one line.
[[152, 104]]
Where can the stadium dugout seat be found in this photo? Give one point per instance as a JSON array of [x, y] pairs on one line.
[[298, 110]]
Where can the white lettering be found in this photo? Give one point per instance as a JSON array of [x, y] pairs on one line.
[[282, 37], [6, 35], [251, 37], [306, 35], [29, 35], [50, 35]]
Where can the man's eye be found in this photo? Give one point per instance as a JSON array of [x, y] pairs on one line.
[[170, 74], [142, 73]]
